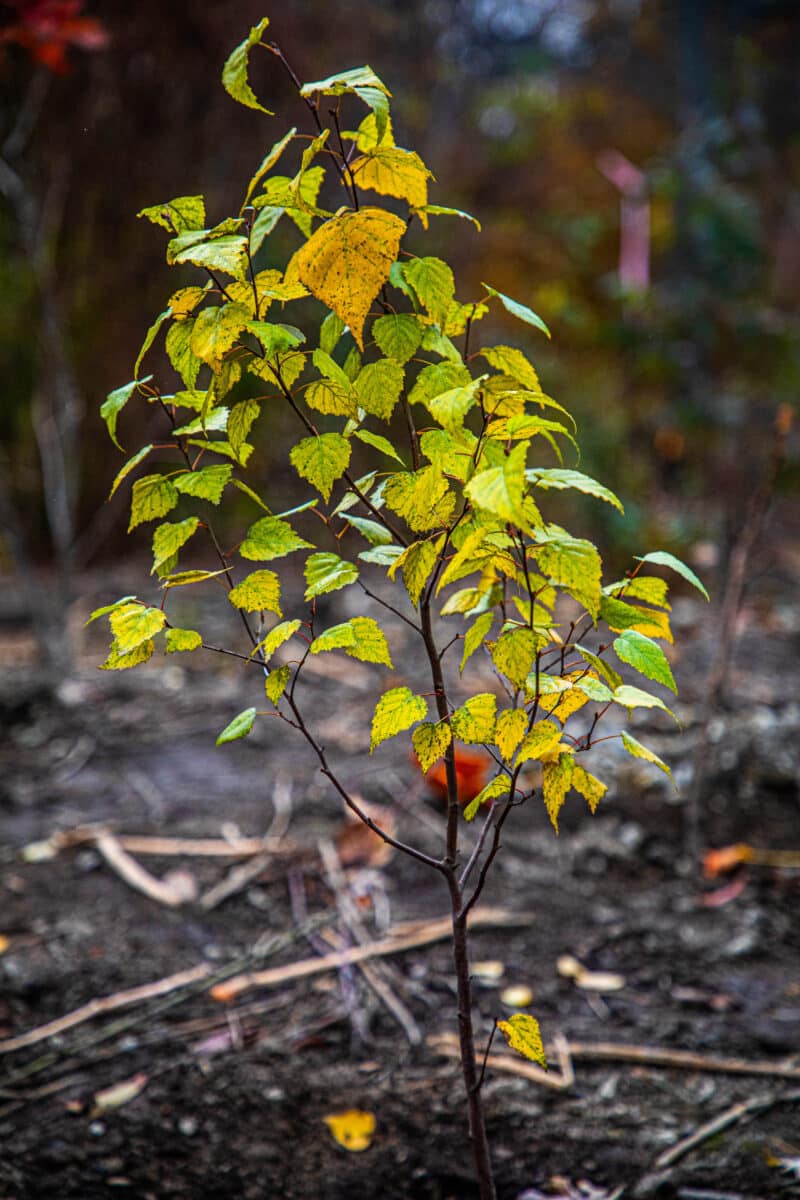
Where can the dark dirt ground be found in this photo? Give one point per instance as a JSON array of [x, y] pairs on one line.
[[233, 1097]]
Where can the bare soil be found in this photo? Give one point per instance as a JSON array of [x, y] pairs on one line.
[[232, 1098]]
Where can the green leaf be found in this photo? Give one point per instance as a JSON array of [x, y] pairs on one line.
[[241, 420], [330, 331], [663, 559], [430, 742], [635, 747], [512, 362], [500, 490], [520, 311], [321, 460], [180, 353], [133, 624], [325, 396], [234, 73], [416, 562], [207, 483], [381, 556], [397, 709], [214, 421], [510, 730], [169, 537], [326, 572], [398, 335], [360, 637], [498, 786], [542, 738], [361, 82], [513, 654], [178, 215], [346, 262], [560, 478], [275, 683], [239, 727], [117, 661], [271, 538], [619, 616], [267, 163], [441, 210], [215, 331], [588, 785], [422, 498], [436, 378], [248, 491], [378, 386], [152, 496], [633, 697], [276, 637], [129, 466], [556, 782], [182, 639], [572, 563], [451, 407], [150, 337], [114, 403], [276, 338], [259, 591], [594, 689], [379, 443], [433, 284], [474, 720], [375, 534], [522, 1034], [475, 636], [646, 656], [107, 608]]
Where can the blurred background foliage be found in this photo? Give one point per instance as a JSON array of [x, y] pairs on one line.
[[635, 166]]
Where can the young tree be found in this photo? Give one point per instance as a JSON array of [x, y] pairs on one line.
[[460, 434]]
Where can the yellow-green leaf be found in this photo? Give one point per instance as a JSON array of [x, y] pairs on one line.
[[663, 559], [572, 563], [276, 637], [239, 727], [416, 562], [513, 654], [398, 335], [215, 331], [520, 311], [542, 738], [645, 656], [500, 490], [474, 720], [152, 496], [512, 362], [397, 709], [275, 683], [169, 537], [346, 262], [612, 677], [619, 615], [633, 697], [635, 747], [234, 73], [430, 742], [207, 483], [179, 351], [509, 731], [360, 637], [117, 661], [475, 636], [178, 215], [378, 386], [270, 538], [321, 460], [589, 786], [133, 624], [496, 787], [258, 592], [433, 284], [113, 405], [327, 572], [522, 1034], [556, 782], [422, 498], [182, 639]]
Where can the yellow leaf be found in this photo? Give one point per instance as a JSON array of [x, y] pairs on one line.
[[510, 730], [347, 260], [556, 781], [589, 786], [522, 1034], [352, 1129], [394, 172]]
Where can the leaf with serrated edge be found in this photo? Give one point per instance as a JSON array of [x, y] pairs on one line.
[[275, 683], [378, 386], [475, 636], [121, 662], [520, 311], [663, 559], [234, 73], [397, 709], [522, 1034], [416, 562], [433, 284], [509, 731], [398, 335], [430, 742], [170, 537], [207, 483], [635, 748], [633, 697], [270, 538], [321, 460], [239, 727], [258, 592], [276, 637], [473, 721], [182, 639], [560, 478], [327, 572], [612, 677], [346, 261], [556, 782], [542, 738], [513, 654], [133, 624], [645, 656], [496, 787], [379, 443], [589, 786]]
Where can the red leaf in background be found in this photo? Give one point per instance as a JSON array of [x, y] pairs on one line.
[[472, 771], [47, 28]]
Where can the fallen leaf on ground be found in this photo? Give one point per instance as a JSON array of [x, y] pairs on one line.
[[517, 996], [352, 1129], [119, 1093], [591, 981]]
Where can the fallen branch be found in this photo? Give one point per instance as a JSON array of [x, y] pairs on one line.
[[163, 891], [655, 1056], [409, 935], [447, 1044], [168, 847], [724, 1120]]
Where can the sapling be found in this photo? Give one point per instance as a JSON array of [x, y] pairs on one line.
[[464, 447]]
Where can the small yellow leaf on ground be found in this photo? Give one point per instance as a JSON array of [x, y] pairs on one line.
[[352, 1129]]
